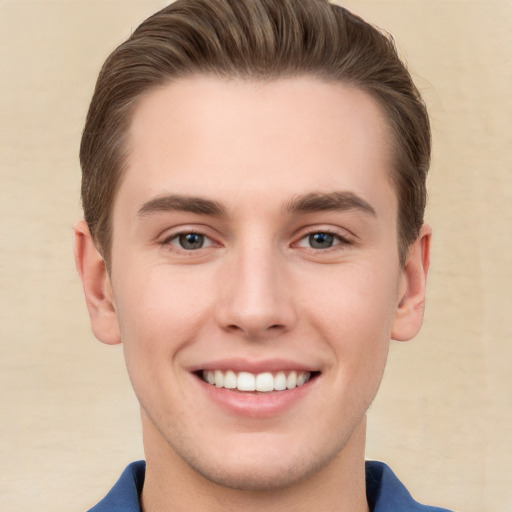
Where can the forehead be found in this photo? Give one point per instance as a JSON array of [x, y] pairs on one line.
[[212, 136]]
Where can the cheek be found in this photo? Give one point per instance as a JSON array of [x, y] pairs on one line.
[[159, 314], [353, 312], [158, 317], [352, 298], [159, 297]]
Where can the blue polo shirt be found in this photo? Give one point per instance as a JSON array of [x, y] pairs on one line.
[[385, 493]]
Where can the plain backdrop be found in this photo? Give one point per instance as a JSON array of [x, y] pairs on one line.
[[68, 418]]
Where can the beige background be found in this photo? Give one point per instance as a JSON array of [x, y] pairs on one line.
[[68, 419]]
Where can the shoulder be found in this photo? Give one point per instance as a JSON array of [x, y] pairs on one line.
[[124, 496], [385, 492]]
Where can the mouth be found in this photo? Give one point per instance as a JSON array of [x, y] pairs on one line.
[[265, 382]]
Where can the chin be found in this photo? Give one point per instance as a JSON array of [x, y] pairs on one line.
[[262, 462], [259, 475]]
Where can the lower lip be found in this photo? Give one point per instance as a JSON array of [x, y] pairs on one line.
[[256, 405]]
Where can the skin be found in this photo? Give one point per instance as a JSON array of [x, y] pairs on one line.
[[257, 290]]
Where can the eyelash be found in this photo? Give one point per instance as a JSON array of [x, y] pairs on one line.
[[337, 238]]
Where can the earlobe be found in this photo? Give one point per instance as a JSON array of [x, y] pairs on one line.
[[96, 285], [410, 309]]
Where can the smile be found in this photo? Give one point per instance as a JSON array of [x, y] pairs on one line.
[[263, 382]]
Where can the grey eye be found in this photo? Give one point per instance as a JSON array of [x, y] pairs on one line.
[[191, 241], [321, 240]]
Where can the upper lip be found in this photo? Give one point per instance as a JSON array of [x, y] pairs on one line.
[[255, 366]]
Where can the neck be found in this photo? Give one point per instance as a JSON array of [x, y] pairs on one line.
[[171, 485]]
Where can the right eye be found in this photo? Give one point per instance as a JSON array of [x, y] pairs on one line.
[[189, 241], [322, 240]]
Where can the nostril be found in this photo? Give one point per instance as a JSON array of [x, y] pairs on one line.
[[273, 327]]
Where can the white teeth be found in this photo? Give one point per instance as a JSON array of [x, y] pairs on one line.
[[230, 380], [301, 379], [246, 382], [280, 381], [219, 379], [291, 381], [262, 382]]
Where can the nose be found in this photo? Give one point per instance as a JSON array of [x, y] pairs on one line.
[[256, 296]]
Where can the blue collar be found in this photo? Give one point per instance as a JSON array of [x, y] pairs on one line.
[[385, 493]]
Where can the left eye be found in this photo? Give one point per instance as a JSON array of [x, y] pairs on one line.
[[191, 241], [319, 240]]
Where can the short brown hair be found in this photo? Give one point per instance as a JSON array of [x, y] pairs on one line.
[[252, 39]]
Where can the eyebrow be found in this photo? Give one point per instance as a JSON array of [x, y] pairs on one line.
[[307, 203], [191, 204], [330, 201]]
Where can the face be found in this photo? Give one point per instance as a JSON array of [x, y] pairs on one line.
[[255, 279]]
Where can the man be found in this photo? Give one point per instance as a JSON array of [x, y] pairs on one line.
[[253, 190]]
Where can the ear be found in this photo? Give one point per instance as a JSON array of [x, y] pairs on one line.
[[410, 310], [97, 287]]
